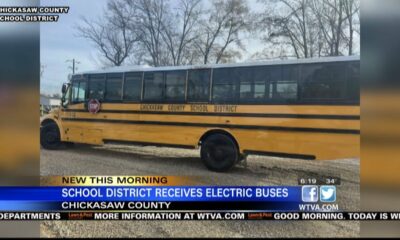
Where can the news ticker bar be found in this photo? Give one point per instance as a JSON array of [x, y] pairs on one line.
[[196, 215]]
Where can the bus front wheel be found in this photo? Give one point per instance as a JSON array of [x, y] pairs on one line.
[[50, 136], [219, 152]]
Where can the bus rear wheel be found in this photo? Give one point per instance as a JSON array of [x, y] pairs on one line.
[[50, 136], [219, 152]]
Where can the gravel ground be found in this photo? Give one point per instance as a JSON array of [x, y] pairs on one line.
[[130, 160]]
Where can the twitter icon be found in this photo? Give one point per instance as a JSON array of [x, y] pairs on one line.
[[327, 194]]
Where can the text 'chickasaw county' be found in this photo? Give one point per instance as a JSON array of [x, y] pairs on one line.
[[31, 14]]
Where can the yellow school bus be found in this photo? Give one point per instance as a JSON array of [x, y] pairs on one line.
[[307, 109]]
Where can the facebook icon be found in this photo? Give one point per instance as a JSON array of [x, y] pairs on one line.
[[309, 194]]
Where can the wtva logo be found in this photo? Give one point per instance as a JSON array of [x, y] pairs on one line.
[[309, 193]]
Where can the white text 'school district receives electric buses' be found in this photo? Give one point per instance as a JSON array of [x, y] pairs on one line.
[[295, 108]]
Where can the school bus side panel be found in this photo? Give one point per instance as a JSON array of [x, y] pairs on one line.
[[133, 122]]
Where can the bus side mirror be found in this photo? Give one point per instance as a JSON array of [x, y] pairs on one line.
[[64, 88], [64, 98]]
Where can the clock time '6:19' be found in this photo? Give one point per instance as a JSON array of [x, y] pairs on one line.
[[307, 181]]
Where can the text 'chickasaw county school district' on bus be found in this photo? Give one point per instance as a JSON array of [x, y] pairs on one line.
[[162, 192]]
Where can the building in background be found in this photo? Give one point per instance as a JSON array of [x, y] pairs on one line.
[[47, 103]]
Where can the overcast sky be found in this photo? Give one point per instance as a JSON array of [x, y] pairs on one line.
[[58, 42]]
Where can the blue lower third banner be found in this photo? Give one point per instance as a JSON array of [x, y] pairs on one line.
[[53, 198]]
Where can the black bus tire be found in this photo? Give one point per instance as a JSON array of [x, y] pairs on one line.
[[50, 136], [219, 152]]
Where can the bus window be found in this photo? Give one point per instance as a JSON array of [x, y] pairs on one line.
[[224, 86], [285, 90], [133, 86], [114, 87], [259, 90], [323, 82], [353, 81], [96, 87], [252, 83], [246, 88], [82, 91], [78, 91], [175, 84], [284, 87], [154, 86], [199, 85], [75, 89]]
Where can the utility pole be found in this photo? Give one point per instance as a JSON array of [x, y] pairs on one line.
[[74, 63]]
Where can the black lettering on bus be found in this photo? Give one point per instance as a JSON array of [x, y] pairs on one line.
[[225, 108], [176, 107], [151, 107], [198, 108]]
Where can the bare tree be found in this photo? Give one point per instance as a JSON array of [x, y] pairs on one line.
[[179, 31], [112, 35], [221, 27], [148, 20], [332, 20], [311, 27], [159, 33], [238, 22], [209, 32], [292, 23], [352, 9]]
